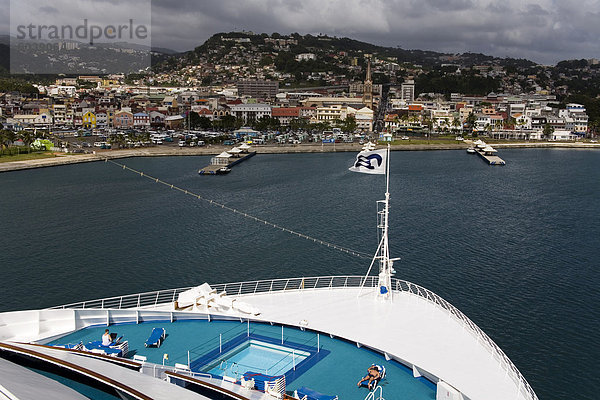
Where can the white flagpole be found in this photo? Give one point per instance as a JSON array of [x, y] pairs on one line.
[[384, 287], [387, 173], [386, 251]]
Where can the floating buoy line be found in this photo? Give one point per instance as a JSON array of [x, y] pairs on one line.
[[242, 213]]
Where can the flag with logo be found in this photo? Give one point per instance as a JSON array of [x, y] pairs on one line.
[[370, 162]]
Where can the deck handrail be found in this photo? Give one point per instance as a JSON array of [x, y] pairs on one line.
[[371, 395], [155, 298]]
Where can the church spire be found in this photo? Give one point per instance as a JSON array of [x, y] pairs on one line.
[[368, 86]]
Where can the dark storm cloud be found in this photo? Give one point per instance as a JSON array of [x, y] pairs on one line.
[[545, 30]]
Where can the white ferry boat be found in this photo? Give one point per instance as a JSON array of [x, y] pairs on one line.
[[310, 338]]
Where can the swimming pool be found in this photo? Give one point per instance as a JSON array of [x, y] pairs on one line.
[[335, 369], [257, 356]]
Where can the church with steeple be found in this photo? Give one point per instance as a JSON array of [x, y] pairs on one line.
[[368, 86]]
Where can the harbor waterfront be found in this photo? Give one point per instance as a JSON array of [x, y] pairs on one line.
[[66, 159], [515, 248]]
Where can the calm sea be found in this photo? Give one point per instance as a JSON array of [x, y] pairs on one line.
[[516, 248]]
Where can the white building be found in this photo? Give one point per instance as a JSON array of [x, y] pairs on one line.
[[364, 119], [563, 134], [43, 119], [517, 108], [408, 91], [249, 112], [580, 119], [333, 112], [62, 114], [101, 119], [306, 57]]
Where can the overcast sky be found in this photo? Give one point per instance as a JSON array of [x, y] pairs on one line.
[[545, 31]]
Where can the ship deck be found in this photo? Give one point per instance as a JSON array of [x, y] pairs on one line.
[[417, 334], [334, 370], [409, 328]]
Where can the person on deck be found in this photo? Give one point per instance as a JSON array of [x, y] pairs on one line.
[[106, 339], [372, 375]]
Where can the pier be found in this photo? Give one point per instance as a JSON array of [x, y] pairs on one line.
[[223, 163], [492, 159], [488, 153]]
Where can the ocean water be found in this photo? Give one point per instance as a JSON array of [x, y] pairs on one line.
[[516, 248]]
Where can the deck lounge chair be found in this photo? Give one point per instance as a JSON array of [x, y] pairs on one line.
[[114, 349], [71, 346], [245, 308], [190, 297], [156, 337], [305, 393], [374, 384]]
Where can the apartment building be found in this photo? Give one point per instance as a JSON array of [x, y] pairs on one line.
[[249, 112]]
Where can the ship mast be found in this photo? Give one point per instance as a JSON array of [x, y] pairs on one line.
[[382, 255]]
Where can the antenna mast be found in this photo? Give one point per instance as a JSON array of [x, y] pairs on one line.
[[384, 282]]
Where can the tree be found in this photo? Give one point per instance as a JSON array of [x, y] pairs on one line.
[[194, 119], [266, 123], [456, 123], [297, 124], [488, 128], [27, 137], [471, 118], [349, 124], [548, 131], [205, 123], [2, 139], [266, 60], [226, 122], [8, 137]]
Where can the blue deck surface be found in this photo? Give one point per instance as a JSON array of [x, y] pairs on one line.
[[336, 372]]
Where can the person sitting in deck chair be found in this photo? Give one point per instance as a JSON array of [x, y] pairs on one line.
[[373, 375], [106, 339]]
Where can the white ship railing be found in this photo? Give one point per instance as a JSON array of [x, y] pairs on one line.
[[153, 299]]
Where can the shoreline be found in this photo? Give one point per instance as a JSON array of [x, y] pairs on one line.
[[159, 151]]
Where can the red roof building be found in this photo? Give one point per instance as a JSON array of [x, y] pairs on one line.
[[285, 114]]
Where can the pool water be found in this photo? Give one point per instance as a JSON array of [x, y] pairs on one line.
[[257, 356]]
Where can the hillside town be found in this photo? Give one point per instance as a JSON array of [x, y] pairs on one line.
[[231, 82]]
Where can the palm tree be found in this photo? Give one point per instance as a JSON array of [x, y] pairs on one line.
[[471, 119], [8, 137], [429, 124], [488, 129], [2, 139], [27, 137], [444, 125], [456, 123]]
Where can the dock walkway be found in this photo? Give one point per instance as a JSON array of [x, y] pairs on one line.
[[491, 159], [217, 169]]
